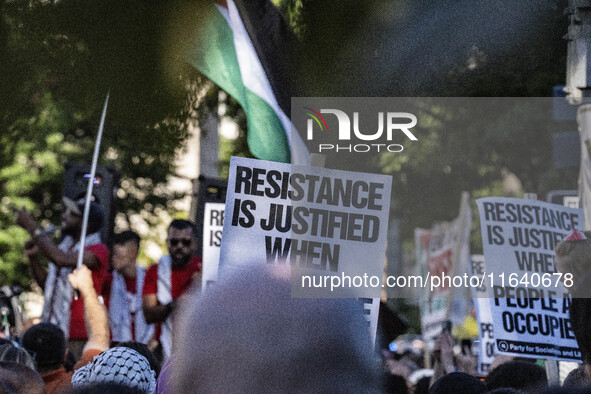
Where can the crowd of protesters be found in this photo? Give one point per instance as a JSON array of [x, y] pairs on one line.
[[133, 330]]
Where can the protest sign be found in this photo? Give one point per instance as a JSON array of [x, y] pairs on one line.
[[433, 315], [371, 313], [329, 226], [529, 303], [443, 251], [213, 223], [487, 347], [432, 310], [422, 237]]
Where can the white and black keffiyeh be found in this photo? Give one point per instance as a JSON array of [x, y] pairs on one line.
[[120, 365], [165, 297], [122, 305], [58, 290]]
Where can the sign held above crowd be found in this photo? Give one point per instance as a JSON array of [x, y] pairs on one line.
[[529, 296], [330, 226]]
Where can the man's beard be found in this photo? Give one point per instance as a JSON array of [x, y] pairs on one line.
[[180, 261]]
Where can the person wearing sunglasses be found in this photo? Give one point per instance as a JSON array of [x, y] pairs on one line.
[[169, 279]]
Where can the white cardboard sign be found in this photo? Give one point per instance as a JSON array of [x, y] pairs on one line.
[[529, 303]]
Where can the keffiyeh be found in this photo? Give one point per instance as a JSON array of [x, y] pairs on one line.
[[165, 297], [118, 365], [122, 304], [58, 290]]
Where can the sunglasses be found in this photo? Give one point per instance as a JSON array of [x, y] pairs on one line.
[[184, 241]]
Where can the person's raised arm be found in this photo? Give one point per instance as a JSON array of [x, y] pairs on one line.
[[60, 258], [95, 313], [64, 259], [38, 272], [443, 355]]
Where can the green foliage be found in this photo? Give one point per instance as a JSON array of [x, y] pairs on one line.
[[13, 267], [292, 11], [57, 62]]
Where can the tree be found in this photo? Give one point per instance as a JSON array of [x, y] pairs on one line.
[[57, 62]]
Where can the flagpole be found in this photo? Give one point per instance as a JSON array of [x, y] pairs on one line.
[[97, 146]]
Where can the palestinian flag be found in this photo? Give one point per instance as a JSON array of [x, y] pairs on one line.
[[243, 47]]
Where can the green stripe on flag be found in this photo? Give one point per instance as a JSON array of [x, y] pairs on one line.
[[213, 54]]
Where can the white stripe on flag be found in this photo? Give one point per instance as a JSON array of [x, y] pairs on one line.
[[255, 79]]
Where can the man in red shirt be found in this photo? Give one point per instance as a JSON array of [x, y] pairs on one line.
[[169, 279], [60, 307], [123, 291]]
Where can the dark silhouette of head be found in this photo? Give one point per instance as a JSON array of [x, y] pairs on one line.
[[567, 390], [47, 343], [422, 386], [576, 378], [505, 390], [512, 374], [394, 384], [145, 351], [457, 382], [9, 352], [273, 342], [21, 378]]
